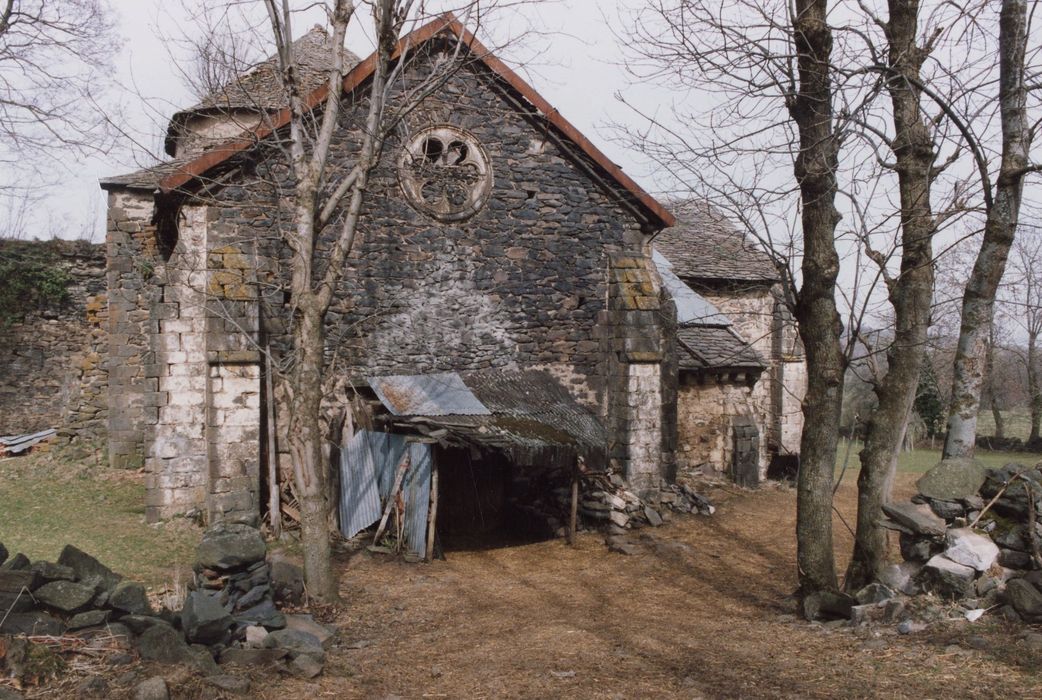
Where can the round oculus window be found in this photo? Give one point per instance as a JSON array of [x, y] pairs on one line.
[[445, 173]]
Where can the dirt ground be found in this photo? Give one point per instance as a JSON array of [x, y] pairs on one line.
[[702, 611]]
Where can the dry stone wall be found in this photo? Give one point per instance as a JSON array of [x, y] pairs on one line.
[[53, 373]]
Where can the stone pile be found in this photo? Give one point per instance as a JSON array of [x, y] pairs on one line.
[[619, 509], [229, 615], [972, 535]]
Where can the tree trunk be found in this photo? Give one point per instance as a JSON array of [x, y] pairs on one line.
[[305, 443], [979, 299], [910, 294], [1034, 390], [819, 322], [989, 369]]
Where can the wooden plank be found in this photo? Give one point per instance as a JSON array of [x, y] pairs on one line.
[[399, 477], [432, 510]]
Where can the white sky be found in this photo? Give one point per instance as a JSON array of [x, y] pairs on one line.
[[570, 58]]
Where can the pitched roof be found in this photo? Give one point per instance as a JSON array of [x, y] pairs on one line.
[[715, 347], [692, 307], [188, 172], [705, 245], [261, 87]]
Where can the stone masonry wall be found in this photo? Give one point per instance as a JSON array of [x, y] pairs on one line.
[[132, 256], [52, 374], [705, 414], [522, 283]]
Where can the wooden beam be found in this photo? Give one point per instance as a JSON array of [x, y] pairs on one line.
[[432, 510]]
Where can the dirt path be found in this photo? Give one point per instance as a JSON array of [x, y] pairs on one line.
[[700, 612]]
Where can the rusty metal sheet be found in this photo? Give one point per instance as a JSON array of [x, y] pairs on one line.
[[442, 394]]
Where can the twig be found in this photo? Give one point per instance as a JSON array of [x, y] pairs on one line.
[[992, 501]]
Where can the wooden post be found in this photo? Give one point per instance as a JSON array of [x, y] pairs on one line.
[[399, 477], [573, 516], [274, 495], [432, 510]]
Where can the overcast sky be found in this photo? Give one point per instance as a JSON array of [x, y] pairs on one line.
[[570, 55]]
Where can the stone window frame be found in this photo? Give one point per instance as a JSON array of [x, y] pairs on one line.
[[432, 180]]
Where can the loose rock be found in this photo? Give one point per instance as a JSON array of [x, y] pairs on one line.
[[152, 689], [946, 578], [66, 596], [952, 479], [230, 545], [968, 548], [918, 518]]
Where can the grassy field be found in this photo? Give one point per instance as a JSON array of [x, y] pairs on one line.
[[921, 460], [48, 501], [1017, 423]]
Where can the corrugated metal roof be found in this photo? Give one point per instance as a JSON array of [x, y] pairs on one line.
[[427, 395], [692, 307], [367, 468], [529, 412], [17, 444]]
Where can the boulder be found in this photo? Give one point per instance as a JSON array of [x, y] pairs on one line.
[[164, 644], [204, 619], [264, 614], [230, 545], [46, 572], [91, 618], [916, 517], [152, 689], [296, 643], [255, 635], [262, 658], [966, 547], [15, 581], [130, 597], [946, 578], [952, 479], [15, 602], [1025, 599], [874, 593], [202, 660], [305, 666], [31, 623], [18, 562], [1012, 559], [139, 623], [948, 510], [66, 596], [306, 623], [652, 515], [918, 547], [3, 553], [901, 577], [229, 684], [827, 605], [1012, 537], [88, 569]]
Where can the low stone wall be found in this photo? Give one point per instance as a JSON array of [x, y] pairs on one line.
[[53, 374]]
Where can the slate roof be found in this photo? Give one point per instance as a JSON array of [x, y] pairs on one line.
[[261, 87], [716, 347], [704, 245], [646, 205], [145, 178]]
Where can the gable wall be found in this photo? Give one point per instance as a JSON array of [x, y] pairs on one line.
[[523, 283]]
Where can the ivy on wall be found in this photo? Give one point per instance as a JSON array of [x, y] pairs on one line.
[[31, 279]]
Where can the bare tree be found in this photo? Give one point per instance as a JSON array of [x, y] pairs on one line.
[[1002, 202], [1021, 294], [910, 293], [54, 67]]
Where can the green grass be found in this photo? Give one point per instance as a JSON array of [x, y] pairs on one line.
[[1017, 423], [921, 460], [46, 503]]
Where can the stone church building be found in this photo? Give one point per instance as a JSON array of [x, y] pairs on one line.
[[505, 271]]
